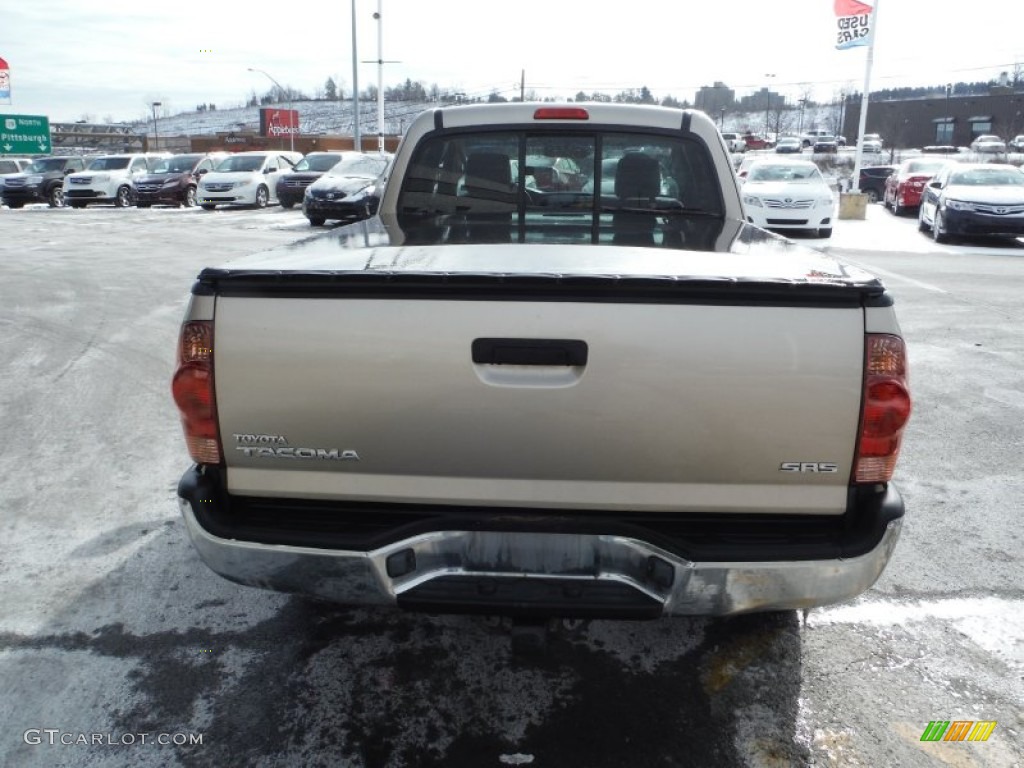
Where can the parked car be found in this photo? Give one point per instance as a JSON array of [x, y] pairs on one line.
[[42, 181], [246, 178], [109, 179], [12, 165], [789, 144], [350, 191], [871, 146], [809, 137], [973, 200], [292, 186], [988, 144], [825, 146], [1017, 143], [904, 185], [872, 181], [173, 180], [556, 174], [788, 194], [734, 142], [754, 141]]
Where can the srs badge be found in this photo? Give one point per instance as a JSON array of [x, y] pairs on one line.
[[808, 466]]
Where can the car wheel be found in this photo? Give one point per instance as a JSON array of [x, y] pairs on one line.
[[316, 221], [56, 197], [124, 197], [262, 196], [189, 201], [208, 207], [77, 205], [897, 209], [143, 205], [15, 206], [872, 196], [825, 232], [287, 204], [939, 234], [922, 225]]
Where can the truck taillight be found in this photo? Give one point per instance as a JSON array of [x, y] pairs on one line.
[[885, 409], [192, 387]]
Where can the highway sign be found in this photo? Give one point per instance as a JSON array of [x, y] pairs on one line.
[[24, 135]]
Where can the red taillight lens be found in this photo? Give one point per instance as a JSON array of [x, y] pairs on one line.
[[885, 410], [192, 388]]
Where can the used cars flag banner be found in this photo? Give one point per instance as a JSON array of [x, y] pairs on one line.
[[853, 23], [5, 83]]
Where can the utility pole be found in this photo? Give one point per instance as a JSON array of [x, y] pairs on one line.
[[357, 138], [522, 85], [380, 75]]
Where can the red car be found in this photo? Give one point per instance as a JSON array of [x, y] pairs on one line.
[[757, 142], [903, 187]]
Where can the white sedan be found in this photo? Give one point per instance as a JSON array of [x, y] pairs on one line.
[[784, 194]]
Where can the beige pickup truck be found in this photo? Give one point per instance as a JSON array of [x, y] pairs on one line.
[[522, 392]]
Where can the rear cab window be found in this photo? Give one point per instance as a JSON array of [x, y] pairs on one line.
[[574, 186]]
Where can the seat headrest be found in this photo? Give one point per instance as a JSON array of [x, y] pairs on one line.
[[637, 175], [488, 166]]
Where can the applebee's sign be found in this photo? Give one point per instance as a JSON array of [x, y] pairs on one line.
[[279, 122]]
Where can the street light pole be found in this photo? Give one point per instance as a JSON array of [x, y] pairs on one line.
[[291, 128], [156, 130]]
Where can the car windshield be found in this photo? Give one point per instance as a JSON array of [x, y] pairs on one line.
[[982, 177], [317, 163], [45, 165], [177, 164], [368, 166], [109, 163], [783, 173], [923, 166], [241, 163]]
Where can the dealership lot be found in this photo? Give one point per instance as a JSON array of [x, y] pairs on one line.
[[112, 630]]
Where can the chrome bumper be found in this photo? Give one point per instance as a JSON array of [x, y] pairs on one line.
[[567, 574]]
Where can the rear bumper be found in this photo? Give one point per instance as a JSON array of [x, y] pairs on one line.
[[531, 568]]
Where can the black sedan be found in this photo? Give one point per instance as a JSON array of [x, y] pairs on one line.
[[350, 191], [973, 200]]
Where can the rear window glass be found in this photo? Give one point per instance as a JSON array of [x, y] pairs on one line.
[[570, 187]]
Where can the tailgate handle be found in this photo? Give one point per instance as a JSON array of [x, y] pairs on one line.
[[570, 352]]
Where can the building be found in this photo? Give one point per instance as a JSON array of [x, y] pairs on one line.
[[713, 99], [944, 119]]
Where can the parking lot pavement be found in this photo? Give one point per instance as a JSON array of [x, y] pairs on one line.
[[110, 626]]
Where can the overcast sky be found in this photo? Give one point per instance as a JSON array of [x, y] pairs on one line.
[[73, 58]]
